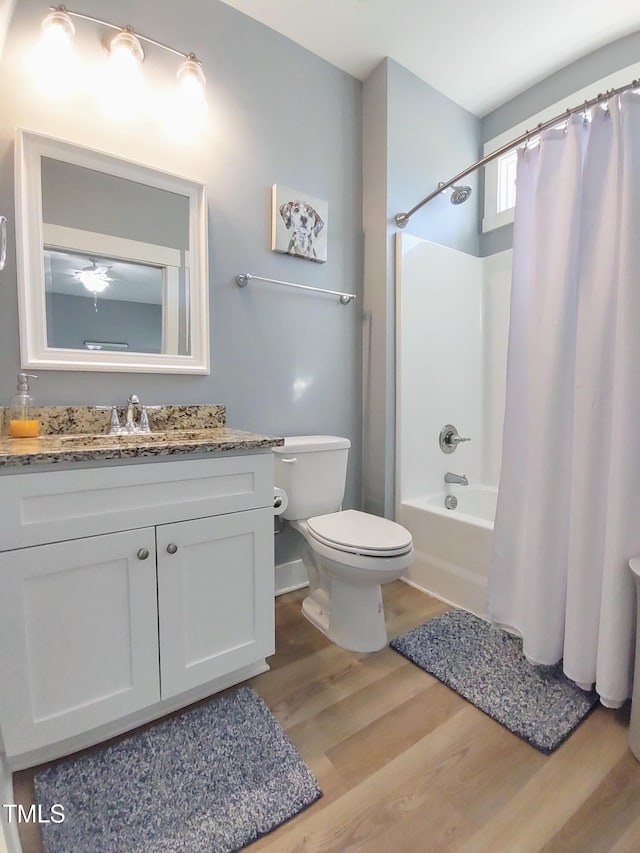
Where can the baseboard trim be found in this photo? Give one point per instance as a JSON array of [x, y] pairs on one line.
[[290, 576]]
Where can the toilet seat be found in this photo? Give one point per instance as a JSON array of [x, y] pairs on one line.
[[354, 532]]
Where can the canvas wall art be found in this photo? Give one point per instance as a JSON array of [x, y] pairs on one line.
[[299, 224]]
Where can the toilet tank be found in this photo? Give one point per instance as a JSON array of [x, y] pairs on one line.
[[312, 469]]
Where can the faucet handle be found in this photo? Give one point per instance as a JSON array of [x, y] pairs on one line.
[[144, 420], [144, 417], [114, 424], [449, 438]]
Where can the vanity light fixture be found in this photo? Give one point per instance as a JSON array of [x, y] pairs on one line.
[[192, 83], [125, 87], [123, 84], [187, 110], [53, 60]]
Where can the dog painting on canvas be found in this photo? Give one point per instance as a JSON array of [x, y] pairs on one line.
[[299, 225]]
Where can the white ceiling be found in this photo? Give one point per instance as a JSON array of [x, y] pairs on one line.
[[480, 53]]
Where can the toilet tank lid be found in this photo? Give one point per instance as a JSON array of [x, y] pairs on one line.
[[309, 443]]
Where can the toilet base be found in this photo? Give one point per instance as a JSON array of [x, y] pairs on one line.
[[351, 616]]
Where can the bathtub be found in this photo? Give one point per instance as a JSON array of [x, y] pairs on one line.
[[452, 547]]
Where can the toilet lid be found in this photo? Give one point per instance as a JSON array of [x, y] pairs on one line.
[[360, 533]]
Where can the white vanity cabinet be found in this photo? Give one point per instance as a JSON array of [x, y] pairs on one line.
[[127, 591], [215, 597], [78, 636]]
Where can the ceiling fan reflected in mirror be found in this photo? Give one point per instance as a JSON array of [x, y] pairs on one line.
[[95, 279]]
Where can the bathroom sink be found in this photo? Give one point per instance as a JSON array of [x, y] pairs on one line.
[[92, 440]]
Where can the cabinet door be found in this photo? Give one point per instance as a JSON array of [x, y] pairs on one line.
[[215, 597], [78, 636]]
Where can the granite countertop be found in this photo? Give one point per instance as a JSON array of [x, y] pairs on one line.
[[49, 449], [79, 434]]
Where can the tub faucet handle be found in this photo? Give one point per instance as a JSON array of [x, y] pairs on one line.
[[449, 438]]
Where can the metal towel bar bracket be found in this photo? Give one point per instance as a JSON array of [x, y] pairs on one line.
[[243, 279]]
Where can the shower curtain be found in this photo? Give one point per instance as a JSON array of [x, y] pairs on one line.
[[568, 517]]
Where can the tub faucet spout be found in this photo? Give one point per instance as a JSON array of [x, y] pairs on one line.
[[460, 479]]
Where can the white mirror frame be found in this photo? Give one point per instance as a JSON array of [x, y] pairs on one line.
[[34, 352]]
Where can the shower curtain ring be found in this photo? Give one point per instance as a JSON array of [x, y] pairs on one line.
[[610, 94]]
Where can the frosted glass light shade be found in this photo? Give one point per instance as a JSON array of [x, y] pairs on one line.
[[187, 111], [192, 82], [123, 89], [53, 61], [126, 48]]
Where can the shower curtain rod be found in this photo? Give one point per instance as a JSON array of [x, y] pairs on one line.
[[403, 218]]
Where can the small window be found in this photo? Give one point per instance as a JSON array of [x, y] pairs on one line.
[[500, 174], [507, 165]]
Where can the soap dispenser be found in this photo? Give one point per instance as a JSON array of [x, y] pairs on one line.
[[22, 424]]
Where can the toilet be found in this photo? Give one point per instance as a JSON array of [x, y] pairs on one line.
[[348, 554]]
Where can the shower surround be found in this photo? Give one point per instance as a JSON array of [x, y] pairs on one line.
[[451, 339]]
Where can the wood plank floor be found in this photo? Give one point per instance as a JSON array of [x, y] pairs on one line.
[[408, 766]]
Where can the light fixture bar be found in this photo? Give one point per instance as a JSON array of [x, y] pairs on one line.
[[116, 27]]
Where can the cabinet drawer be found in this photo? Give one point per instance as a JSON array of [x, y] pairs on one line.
[[52, 506]]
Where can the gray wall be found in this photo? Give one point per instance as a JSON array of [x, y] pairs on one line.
[[414, 137], [283, 361], [72, 320], [591, 68]]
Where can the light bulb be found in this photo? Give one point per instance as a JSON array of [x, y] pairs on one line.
[[94, 278], [123, 89], [53, 60], [191, 80], [93, 281], [188, 112]]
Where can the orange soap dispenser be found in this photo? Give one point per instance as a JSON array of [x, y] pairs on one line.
[[22, 424]]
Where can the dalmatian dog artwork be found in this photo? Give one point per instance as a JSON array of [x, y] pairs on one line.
[[305, 224], [300, 224]]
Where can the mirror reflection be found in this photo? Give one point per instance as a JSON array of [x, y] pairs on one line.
[[100, 303], [116, 262]]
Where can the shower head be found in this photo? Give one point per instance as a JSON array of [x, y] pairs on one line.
[[460, 193]]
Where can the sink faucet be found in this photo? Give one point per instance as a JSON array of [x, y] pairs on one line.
[[460, 479], [142, 426], [130, 427], [132, 403]]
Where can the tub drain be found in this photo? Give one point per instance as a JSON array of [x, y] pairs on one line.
[[451, 502]]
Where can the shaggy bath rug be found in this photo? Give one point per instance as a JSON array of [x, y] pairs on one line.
[[485, 665], [212, 779]]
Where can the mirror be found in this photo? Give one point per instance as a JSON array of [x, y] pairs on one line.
[[112, 262]]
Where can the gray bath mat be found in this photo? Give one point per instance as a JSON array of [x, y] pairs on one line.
[[209, 781], [486, 666]]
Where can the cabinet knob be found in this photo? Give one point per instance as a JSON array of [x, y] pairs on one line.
[[143, 553], [171, 549]]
